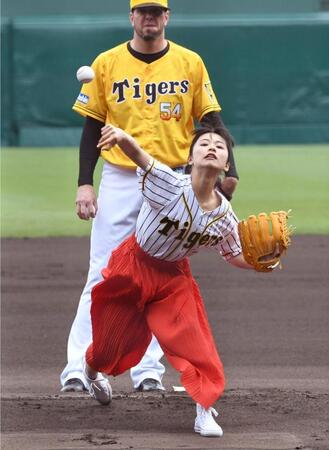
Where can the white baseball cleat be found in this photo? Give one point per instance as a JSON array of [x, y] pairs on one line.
[[205, 423], [99, 388]]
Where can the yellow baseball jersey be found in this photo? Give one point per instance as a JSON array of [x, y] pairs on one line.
[[155, 103]]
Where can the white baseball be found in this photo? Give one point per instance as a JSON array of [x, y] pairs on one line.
[[85, 74]]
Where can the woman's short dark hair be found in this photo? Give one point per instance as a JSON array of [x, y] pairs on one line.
[[221, 131]]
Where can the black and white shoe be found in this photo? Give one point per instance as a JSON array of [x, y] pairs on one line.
[[150, 384], [74, 385]]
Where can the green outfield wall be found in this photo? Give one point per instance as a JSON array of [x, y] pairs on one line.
[[270, 71], [12, 8]]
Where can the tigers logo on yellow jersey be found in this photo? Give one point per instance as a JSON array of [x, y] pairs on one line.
[[156, 103], [150, 90]]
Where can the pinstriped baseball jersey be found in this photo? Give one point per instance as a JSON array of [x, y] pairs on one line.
[[171, 225], [154, 103]]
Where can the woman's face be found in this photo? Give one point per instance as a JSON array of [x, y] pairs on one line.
[[210, 151]]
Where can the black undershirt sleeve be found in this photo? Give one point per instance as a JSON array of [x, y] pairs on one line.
[[89, 153], [214, 119]]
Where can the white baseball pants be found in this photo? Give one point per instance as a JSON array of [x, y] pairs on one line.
[[119, 202]]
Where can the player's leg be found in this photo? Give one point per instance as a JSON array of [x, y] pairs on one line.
[[118, 204], [147, 375], [180, 323], [120, 332]]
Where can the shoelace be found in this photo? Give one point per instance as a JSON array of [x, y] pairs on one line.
[[95, 387], [92, 390], [211, 410]]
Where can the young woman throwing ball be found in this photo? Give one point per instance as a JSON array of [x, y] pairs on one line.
[[148, 286]]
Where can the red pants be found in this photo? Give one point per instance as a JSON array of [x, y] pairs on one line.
[[141, 295]]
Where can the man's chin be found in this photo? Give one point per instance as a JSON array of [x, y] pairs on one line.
[[149, 37]]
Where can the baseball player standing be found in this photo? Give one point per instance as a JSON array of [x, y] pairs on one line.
[[148, 287], [153, 89]]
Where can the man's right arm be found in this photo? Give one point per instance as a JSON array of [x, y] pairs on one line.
[[86, 200]]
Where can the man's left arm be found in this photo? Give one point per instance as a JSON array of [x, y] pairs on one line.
[[228, 185]]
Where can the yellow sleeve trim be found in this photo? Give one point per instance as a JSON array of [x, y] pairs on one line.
[[209, 109], [87, 112]]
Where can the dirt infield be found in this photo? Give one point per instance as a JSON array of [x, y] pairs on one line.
[[272, 333]]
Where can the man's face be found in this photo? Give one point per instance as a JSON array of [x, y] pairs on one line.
[[149, 22]]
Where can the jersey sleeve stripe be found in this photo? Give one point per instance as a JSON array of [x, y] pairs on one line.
[[87, 112], [167, 173], [163, 188], [146, 173], [208, 109], [151, 200], [155, 194]]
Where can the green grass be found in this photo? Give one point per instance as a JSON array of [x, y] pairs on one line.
[[38, 190], [285, 177], [39, 186]]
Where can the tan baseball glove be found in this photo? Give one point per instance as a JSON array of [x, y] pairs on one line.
[[264, 239]]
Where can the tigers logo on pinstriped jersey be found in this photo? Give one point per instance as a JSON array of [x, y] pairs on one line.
[[191, 239]]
